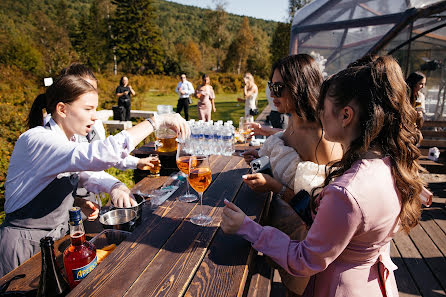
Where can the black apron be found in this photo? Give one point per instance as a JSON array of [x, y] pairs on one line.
[[45, 215]]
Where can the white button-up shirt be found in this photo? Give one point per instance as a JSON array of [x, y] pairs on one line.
[[41, 155], [187, 87]]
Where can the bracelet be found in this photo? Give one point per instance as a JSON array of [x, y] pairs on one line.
[[153, 121], [281, 192]]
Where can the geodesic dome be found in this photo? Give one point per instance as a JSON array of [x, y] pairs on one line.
[[413, 31]]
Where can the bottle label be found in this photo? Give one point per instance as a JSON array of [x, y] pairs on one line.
[[81, 272]]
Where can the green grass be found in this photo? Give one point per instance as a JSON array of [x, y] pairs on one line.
[[227, 109], [226, 104]]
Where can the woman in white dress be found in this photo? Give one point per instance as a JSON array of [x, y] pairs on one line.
[[250, 92]]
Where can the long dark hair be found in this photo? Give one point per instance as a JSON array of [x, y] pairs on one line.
[[66, 89], [412, 80], [303, 78], [386, 123], [121, 81]]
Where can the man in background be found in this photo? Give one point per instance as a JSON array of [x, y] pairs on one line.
[[184, 90]]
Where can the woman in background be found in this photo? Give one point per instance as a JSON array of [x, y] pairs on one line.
[[250, 92], [416, 82], [124, 92], [206, 99]]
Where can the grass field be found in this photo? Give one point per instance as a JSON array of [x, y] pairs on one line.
[[226, 104]]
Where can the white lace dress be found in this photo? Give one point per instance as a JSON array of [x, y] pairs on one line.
[[288, 167]]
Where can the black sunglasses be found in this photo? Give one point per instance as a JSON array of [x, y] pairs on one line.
[[276, 88]]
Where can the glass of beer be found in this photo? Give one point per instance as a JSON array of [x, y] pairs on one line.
[[200, 177], [165, 140], [155, 170], [183, 164], [245, 130]]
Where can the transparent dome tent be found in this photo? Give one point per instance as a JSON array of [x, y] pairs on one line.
[[413, 31]]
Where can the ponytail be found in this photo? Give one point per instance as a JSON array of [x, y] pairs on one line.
[[35, 116]]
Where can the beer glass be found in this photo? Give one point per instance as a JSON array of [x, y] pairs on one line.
[[183, 164], [155, 170], [200, 177], [245, 130]]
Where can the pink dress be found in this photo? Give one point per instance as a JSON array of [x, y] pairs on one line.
[[204, 104], [346, 249]]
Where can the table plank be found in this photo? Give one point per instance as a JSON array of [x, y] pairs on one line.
[[123, 267], [173, 267], [229, 279]]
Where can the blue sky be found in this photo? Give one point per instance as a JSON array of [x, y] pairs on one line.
[[262, 9]]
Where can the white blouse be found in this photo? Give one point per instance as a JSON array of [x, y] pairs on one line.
[[288, 167], [41, 155]]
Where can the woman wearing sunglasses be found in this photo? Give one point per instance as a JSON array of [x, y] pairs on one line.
[[299, 154]]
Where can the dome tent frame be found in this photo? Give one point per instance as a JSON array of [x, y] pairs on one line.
[[341, 31]]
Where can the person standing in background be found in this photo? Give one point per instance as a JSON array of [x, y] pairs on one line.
[[184, 90], [123, 92], [205, 94], [416, 82], [250, 92]]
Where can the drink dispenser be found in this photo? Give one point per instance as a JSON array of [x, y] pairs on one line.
[[165, 137]]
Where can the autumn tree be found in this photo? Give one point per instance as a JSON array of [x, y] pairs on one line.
[[137, 37], [240, 49], [215, 33]]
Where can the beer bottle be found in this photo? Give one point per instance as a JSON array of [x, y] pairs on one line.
[[79, 258], [52, 283]]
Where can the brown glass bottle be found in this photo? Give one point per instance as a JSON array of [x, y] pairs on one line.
[[52, 283], [79, 258]]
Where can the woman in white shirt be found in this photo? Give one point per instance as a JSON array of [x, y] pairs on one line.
[[250, 92], [47, 165]]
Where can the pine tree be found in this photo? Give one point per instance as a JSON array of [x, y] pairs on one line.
[[91, 39], [136, 36], [240, 49], [280, 42]]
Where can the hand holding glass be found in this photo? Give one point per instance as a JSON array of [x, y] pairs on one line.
[[200, 177]]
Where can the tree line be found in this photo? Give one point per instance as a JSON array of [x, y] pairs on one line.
[[138, 36]]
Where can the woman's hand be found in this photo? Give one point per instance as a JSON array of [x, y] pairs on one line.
[[258, 129], [175, 122], [260, 182], [232, 218], [89, 208], [214, 109], [146, 163], [121, 196], [250, 155]]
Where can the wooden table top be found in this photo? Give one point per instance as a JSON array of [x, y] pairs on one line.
[[167, 255]]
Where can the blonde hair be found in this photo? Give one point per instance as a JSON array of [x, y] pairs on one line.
[[250, 78]]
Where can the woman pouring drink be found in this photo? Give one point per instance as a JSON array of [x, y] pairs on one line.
[[46, 166]]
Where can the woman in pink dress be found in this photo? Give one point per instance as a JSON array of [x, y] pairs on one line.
[[205, 94], [371, 193]]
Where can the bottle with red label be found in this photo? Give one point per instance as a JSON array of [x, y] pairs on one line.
[[79, 258]]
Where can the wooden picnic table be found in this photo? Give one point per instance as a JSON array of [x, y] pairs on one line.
[[167, 255]]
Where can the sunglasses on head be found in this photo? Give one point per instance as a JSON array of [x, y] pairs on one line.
[[276, 88]]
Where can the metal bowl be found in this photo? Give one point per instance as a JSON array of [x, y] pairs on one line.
[[119, 219], [138, 208]]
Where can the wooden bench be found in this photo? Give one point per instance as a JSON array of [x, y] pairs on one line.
[[434, 134], [113, 125]]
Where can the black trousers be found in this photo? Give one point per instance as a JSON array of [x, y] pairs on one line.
[[183, 103], [126, 104]]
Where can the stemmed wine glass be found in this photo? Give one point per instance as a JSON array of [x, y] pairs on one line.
[[200, 177], [183, 164]]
